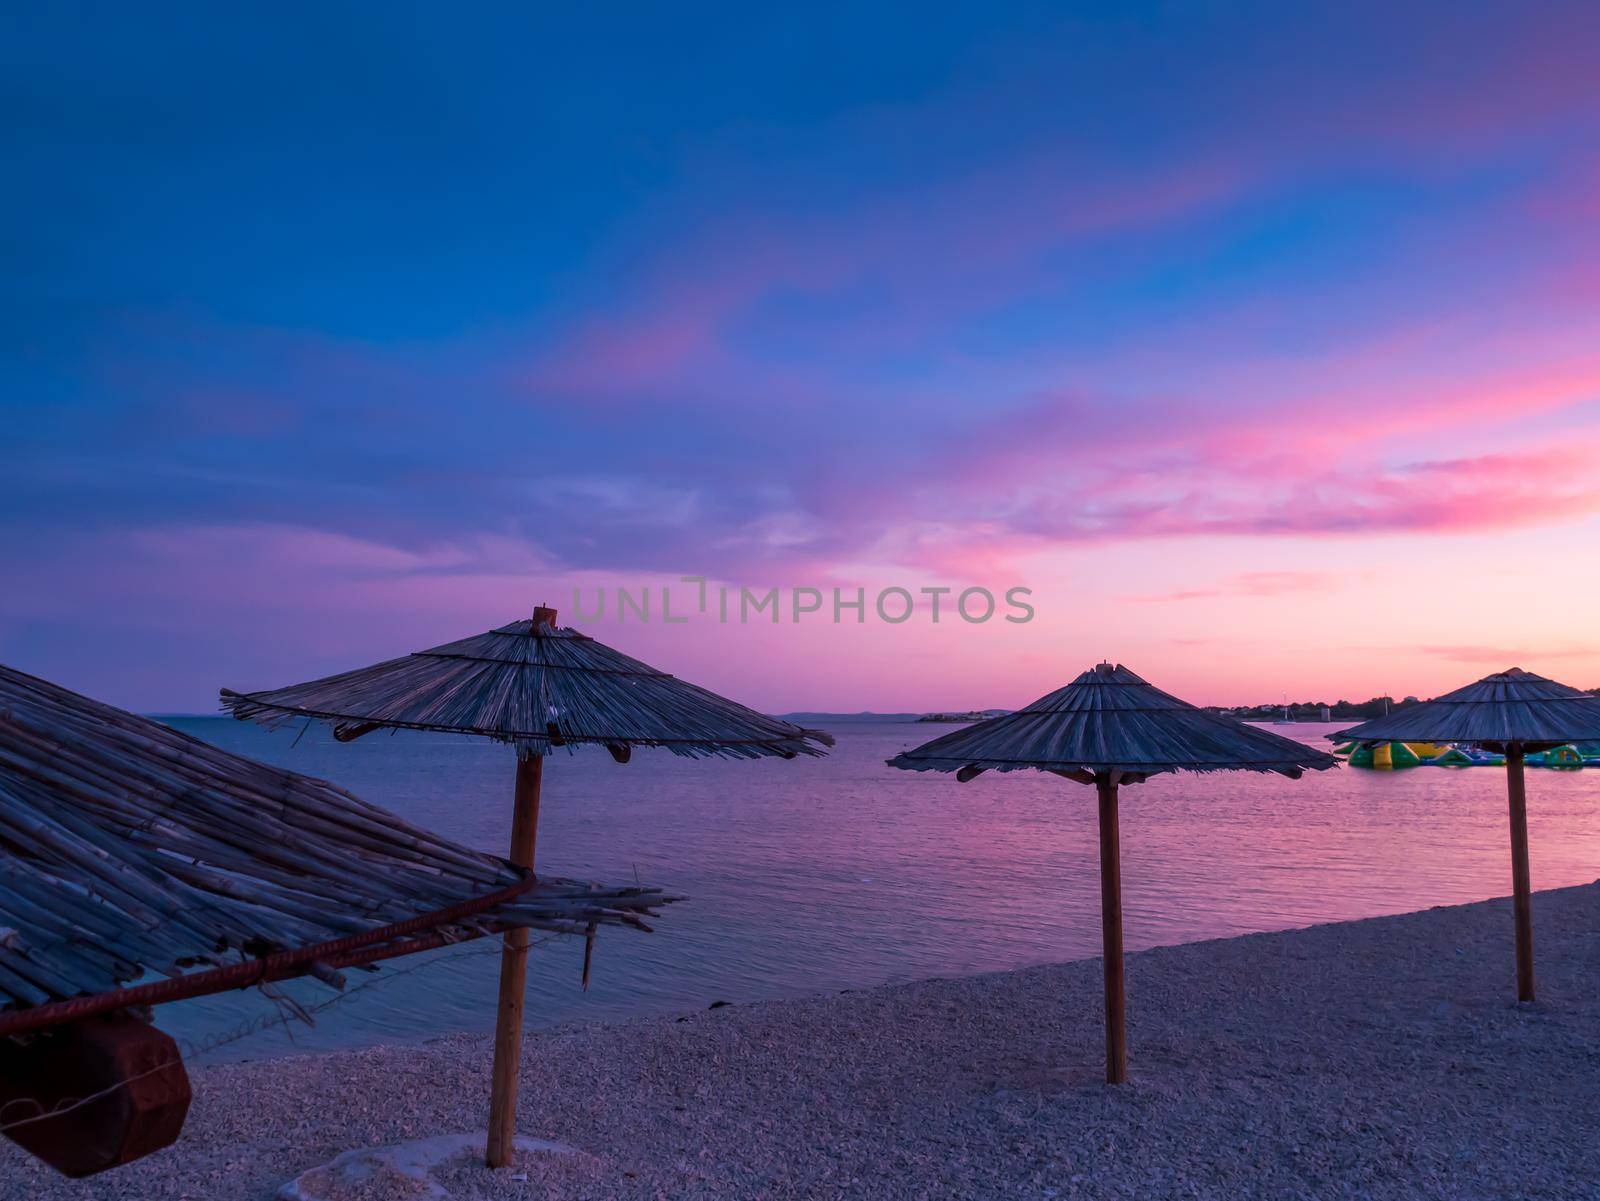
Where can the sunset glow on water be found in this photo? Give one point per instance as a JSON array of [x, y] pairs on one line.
[[818, 875]]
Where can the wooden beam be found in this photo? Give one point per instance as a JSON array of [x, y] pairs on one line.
[[1521, 886], [588, 954], [1111, 933], [513, 975], [351, 950]]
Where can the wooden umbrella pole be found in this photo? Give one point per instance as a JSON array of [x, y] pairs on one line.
[[1111, 923], [513, 975], [1521, 887]]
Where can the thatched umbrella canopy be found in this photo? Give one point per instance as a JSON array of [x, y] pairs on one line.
[[1108, 728], [537, 686], [1514, 712], [130, 849]]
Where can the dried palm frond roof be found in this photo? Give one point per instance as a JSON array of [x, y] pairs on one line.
[[127, 847], [1511, 706], [538, 686], [1108, 719]]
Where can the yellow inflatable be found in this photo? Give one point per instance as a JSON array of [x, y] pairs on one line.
[[1385, 756]]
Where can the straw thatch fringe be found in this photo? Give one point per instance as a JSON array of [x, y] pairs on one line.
[[538, 687], [1109, 719], [1511, 706], [129, 847]]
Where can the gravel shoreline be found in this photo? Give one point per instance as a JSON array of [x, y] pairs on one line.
[[1383, 1058]]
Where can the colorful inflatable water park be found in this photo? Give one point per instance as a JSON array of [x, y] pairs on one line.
[[1390, 756]]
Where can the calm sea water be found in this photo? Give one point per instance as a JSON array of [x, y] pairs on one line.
[[817, 875]]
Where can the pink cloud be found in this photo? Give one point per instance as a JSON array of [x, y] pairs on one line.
[[1368, 404], [1437, 104], [990, 230], [997, 512], [1489, 492], [1253, 584]]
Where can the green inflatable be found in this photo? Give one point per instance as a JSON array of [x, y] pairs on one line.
[[1385, 756], [1560, 756]]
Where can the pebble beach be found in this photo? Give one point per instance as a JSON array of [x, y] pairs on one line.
[[1383, 1058]]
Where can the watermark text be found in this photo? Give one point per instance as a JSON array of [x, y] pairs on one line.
[[740, 605]]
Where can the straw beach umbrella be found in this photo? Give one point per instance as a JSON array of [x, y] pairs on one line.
[[1514, 712], [1109, 728], [140, 866], [537, 686]]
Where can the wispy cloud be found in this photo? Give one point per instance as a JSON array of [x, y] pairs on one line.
[[1252, 584], [988, 297]]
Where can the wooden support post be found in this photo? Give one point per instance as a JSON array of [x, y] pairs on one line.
[[1521, 886], [513, 975], [1111, 923]]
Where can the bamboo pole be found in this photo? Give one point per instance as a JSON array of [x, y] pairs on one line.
[[1111, 924], [513, 975], [1521, 887]]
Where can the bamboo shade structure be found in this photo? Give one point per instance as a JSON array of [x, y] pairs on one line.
[[131, 849], [1109, 728], [537, 686], [1511, 706], [1108, 719], [1511, 711]]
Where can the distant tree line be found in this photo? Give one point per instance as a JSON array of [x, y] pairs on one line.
[[1313, 710], [1336, 710]]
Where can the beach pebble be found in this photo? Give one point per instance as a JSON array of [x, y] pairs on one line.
[[1353, 1060]]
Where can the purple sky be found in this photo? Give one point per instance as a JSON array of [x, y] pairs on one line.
[[1261, 342]]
